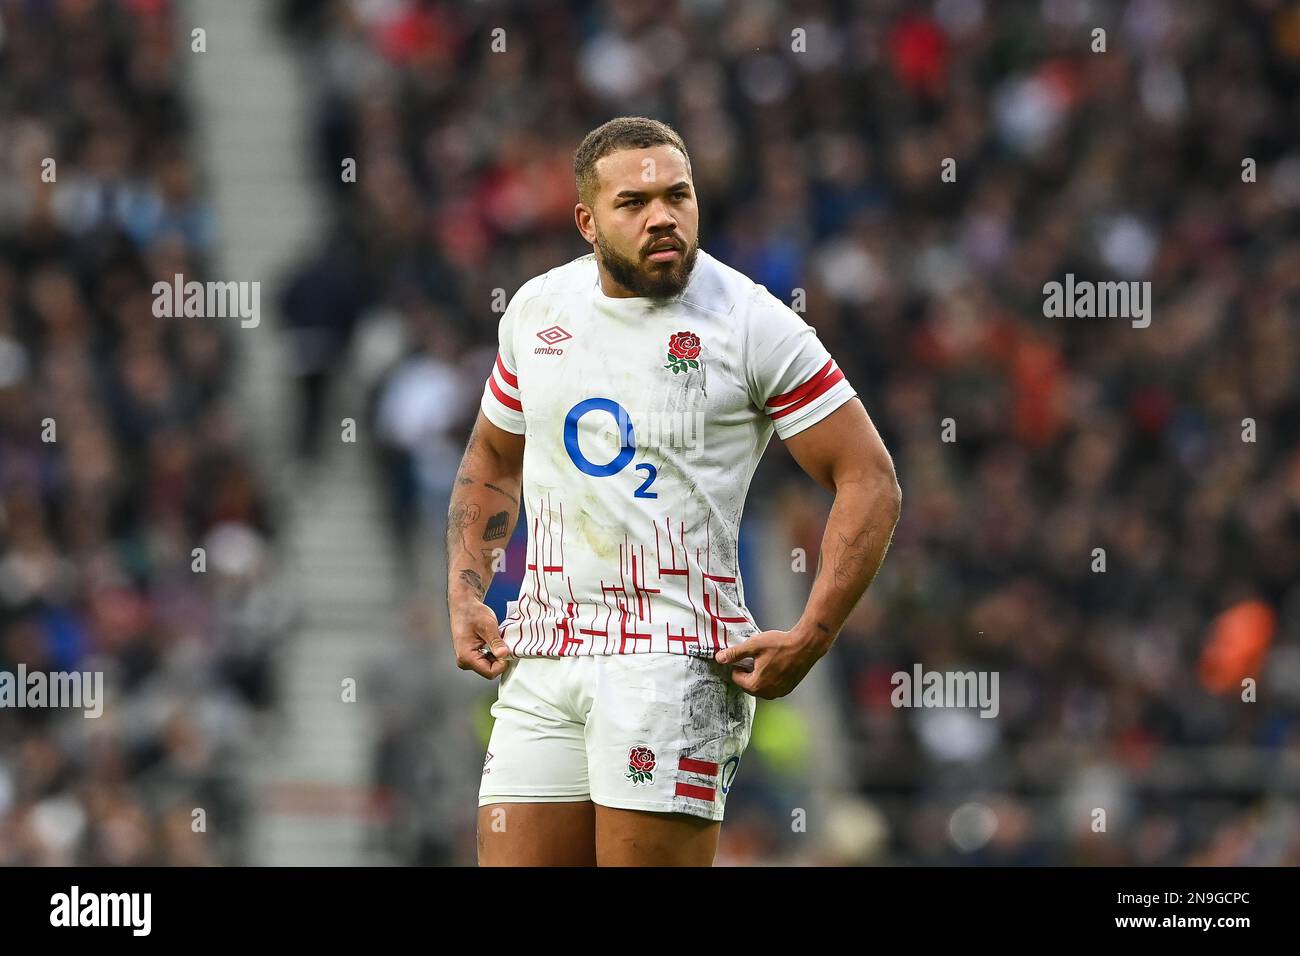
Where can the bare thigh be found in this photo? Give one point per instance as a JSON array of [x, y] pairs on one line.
[[537, 834], [646, 838]]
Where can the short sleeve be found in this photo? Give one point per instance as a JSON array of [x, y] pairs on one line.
[[791, 375], [502, 401]]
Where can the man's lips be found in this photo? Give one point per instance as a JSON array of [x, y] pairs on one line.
[[663, 252]]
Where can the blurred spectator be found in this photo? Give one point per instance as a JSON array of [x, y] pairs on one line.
[[422, 410], [119, 456], [322, 302]]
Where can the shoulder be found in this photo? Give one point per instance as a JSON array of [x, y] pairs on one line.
[[571, 278], [718, 288], [755, 313]]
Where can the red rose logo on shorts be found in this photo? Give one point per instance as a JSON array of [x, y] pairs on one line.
[[641, 765], [683, 350]]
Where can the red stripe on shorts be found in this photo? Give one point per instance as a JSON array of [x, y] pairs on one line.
[[698, 766], [697, 793]]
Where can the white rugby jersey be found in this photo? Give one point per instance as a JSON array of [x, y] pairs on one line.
[[644, 421]]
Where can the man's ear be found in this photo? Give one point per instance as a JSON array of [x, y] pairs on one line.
[[583, 219]]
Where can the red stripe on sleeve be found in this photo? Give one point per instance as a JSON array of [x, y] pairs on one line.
[[799, 392], [822, 388], [502, 397], [511, 380]]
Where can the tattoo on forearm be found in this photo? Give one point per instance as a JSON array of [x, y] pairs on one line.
[[461, 517], [822, 627], [488, 484], [854, 555], [473, 579], [458, 519], [496, 526]]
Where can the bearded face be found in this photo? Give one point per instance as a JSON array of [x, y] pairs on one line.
[[657, 278]]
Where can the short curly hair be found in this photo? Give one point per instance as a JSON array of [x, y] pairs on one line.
[[622, 132]]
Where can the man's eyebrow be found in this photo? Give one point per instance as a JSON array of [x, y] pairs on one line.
[[634, 193]]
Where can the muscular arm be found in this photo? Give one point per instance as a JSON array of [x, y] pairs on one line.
[[844, 454], [481, 518]]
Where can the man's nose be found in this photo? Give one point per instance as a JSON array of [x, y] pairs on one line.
[[661, 218]]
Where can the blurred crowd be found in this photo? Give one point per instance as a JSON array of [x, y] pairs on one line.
[[1107, 516], [135, 538]]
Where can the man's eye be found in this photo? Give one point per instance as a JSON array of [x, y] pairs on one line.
[[632, 202]]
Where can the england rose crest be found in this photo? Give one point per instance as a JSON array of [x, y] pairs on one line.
[[683, 352], [641, 765]]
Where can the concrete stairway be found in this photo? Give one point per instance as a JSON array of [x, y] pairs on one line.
[[254, 105]]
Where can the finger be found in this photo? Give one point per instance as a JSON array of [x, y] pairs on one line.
[[488, 666], [483, 662], [496, 668], [494, 643], [488, 631], [483, 665], [500, 649], [745, 680], [729, 655]]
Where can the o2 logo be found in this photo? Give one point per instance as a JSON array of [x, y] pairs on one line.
[[627, 444], [729, 772]]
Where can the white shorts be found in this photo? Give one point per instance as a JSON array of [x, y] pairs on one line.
[[660, 732]]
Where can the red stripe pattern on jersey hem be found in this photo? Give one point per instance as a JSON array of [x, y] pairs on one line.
[[827, 377]]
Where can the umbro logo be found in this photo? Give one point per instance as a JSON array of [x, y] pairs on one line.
[[551, 337], [553, 334]]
